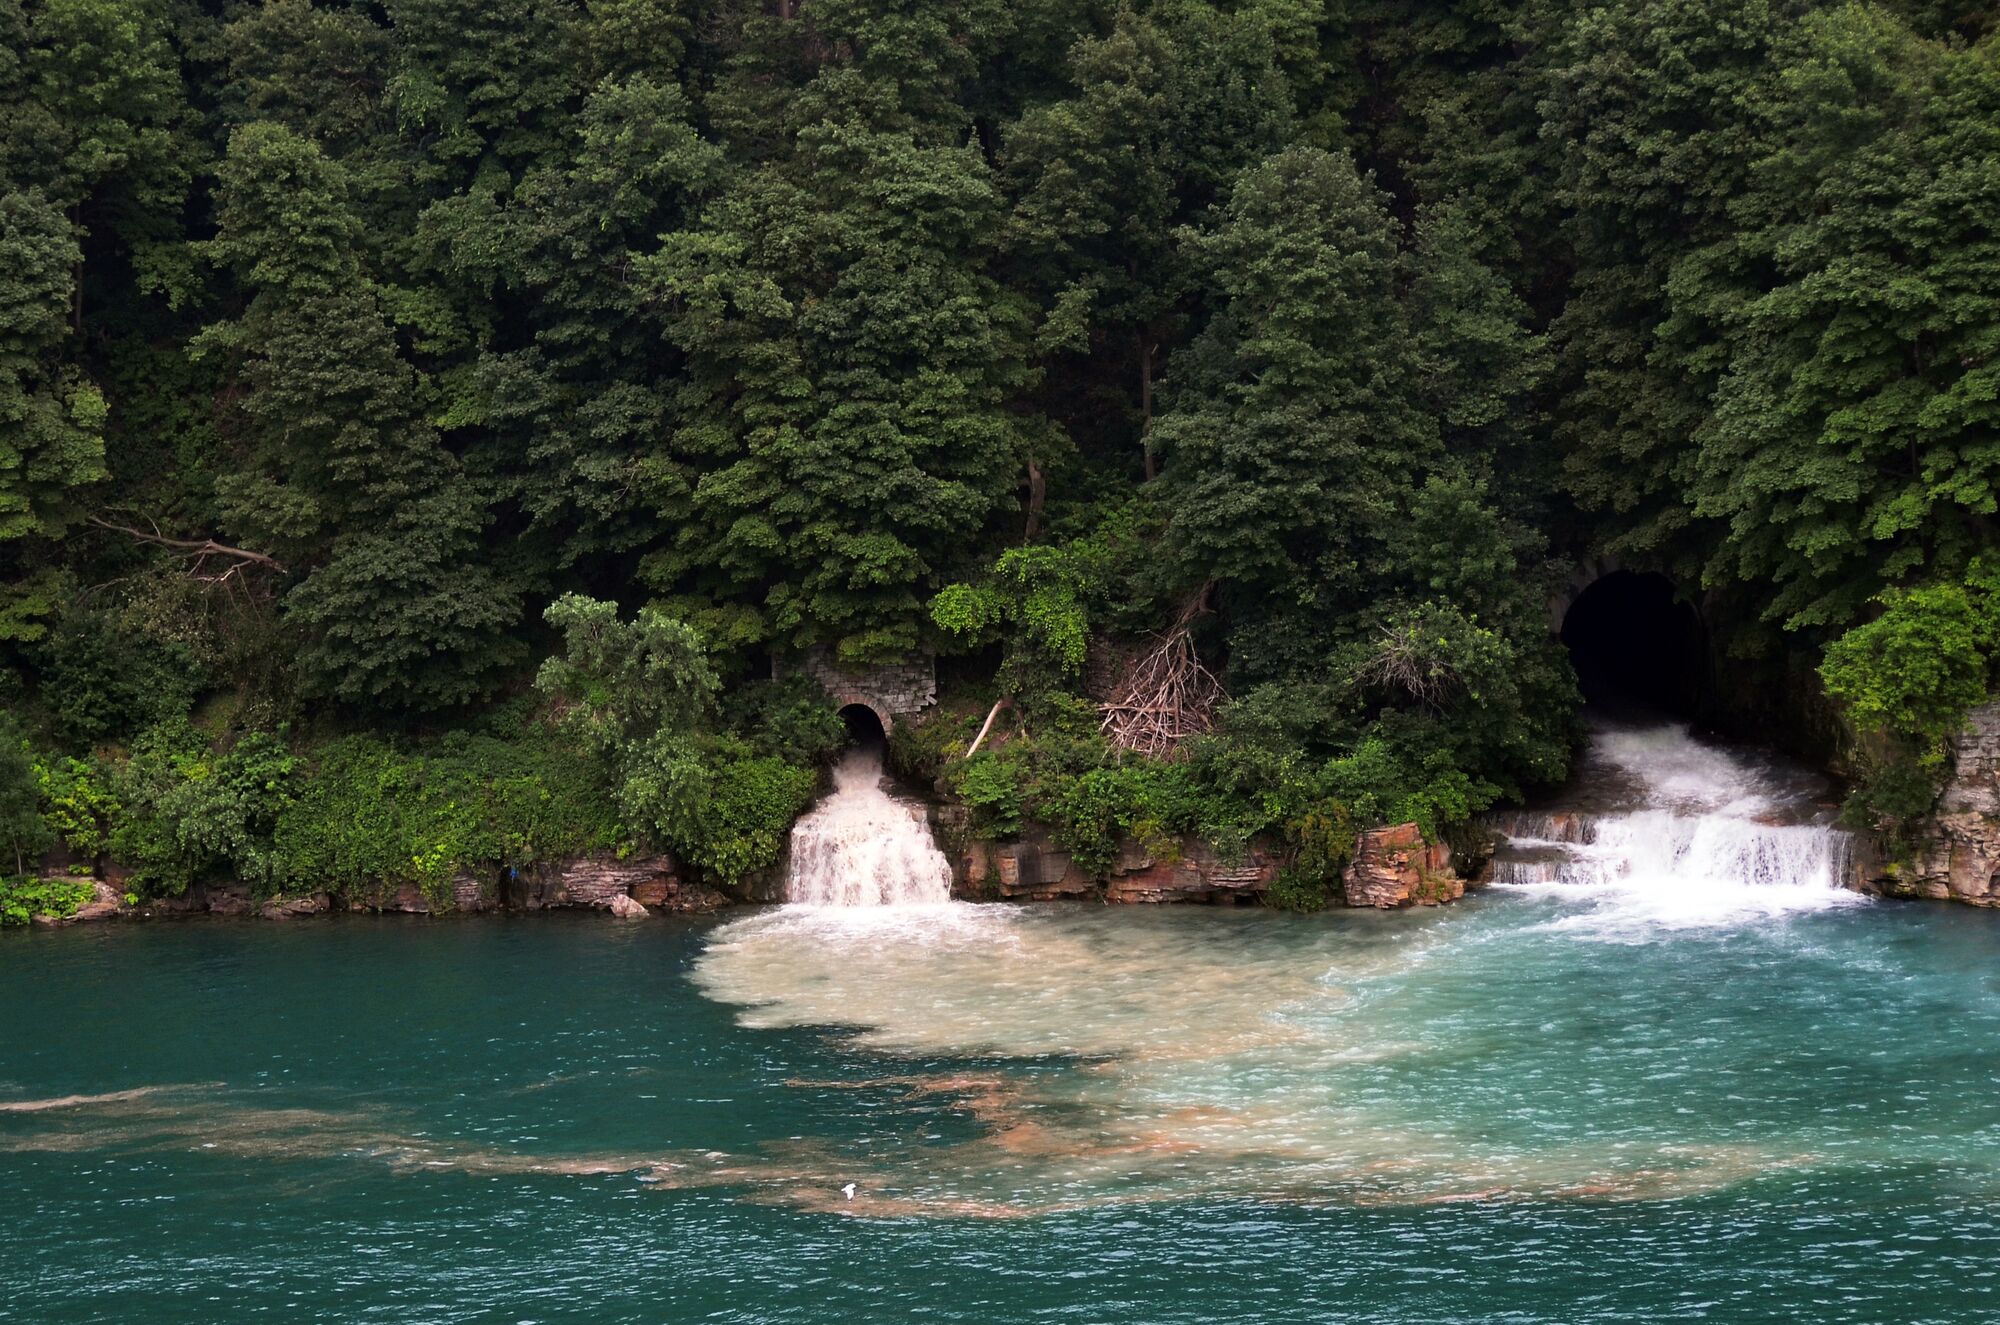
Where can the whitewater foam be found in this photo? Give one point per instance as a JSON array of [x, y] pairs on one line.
[[862, 847], [1704, 836]]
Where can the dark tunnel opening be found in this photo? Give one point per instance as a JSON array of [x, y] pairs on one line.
[[1634, 644], [864, 727]]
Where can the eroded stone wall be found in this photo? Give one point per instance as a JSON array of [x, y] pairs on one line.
[[892, 690]]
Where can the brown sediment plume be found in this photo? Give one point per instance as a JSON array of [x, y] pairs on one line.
[[92, 1101], [1037, 1153]]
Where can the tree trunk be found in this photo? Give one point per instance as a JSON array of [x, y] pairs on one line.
[[1037, 494], [991, 714], [1146, 348]]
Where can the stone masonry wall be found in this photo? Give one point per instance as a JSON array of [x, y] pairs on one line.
[[892, 690]]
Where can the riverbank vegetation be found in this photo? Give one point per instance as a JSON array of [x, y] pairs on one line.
[[425, 427]]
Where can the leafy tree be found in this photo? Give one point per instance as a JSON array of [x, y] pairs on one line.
[[1855, 440], [51, 415], [342, 477], [1037, 601], [21, 825], [641, 695], [1294, 426], [1168, 105], [846, 425], [1480, 364], [1648, 110]]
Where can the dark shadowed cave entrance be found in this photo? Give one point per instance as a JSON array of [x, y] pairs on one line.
[[865, 727], [1634, 644]]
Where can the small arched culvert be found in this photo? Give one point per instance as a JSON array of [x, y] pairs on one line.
[[867, 726], [1636, 644]]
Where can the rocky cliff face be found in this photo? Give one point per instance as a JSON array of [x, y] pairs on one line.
[[1395, 867], [1958, 855], [1033, 868], [1392, 867]]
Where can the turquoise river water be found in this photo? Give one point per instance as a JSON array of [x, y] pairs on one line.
[[1632, 1094]]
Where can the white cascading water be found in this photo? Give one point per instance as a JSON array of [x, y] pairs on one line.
[[863, 847], [1678, 833]]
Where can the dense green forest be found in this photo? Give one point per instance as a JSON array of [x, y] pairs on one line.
[[423, 424]]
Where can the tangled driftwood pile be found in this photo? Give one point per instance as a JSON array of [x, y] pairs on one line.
[[1166, 697]]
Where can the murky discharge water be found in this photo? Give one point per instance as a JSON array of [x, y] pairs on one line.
[[1665, 1069]]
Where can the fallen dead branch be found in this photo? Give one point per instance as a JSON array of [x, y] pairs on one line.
[[208, 560]]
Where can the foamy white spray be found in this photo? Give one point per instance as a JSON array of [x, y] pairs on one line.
[[1682, 834], [863, 847]]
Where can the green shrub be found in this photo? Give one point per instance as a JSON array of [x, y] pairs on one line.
[[99, 681], [1296, 889], [369, 816], [77, 802], [22, 898], [1906, 681], [187, 811], [747, 814], [792, 720], [922, 749], [992, 787]]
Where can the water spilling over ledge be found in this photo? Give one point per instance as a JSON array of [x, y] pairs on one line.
[[861, 846], [1661, 829]]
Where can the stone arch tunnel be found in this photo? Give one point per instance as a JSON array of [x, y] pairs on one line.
[[1635, 642], [867, 725]]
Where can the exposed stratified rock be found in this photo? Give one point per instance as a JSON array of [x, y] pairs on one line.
[[227, 899], [291, 908], [470, 893], [105, 904], [1957, 856], [1196, 873], [601, 880], [1394, 867], [1034, 869], [625, 908]]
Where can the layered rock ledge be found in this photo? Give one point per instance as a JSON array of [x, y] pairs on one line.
[[1392, 867], [1957, 853]]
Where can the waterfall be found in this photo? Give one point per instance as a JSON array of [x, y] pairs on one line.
[[863, 847], [1670, 830]]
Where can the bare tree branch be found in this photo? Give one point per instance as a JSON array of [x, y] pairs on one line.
[[196, 550]]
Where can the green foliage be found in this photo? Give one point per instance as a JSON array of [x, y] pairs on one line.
[[101, 680], [1906, 680], [851, 360], [1037, 601], [747, 814], [994, 789], [22, 829], [370, 817], [51, 416], [1915, 669], [189, 812], [22, 899], [1293, 422], [78, 802], [791, 720], [921, 750], [1348, 328], [640, 696]]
